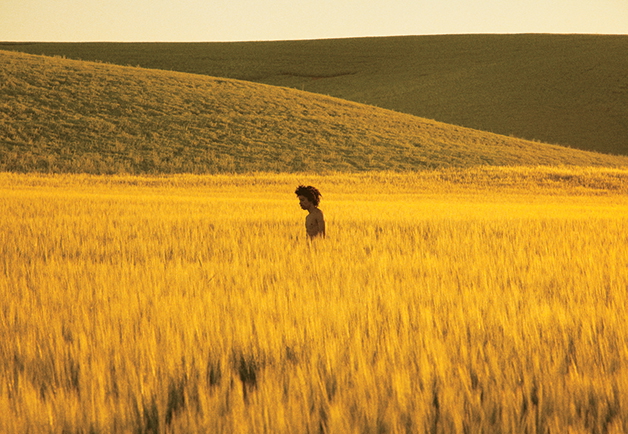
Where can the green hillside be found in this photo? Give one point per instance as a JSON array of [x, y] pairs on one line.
[[564, 89], [59, 115]]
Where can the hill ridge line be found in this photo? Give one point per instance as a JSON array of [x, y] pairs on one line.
[[62, 115], [568, 89]]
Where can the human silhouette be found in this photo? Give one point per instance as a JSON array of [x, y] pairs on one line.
[[309, 198]]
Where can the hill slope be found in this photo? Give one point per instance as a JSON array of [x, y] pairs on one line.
[[563, 89], [63, 115]]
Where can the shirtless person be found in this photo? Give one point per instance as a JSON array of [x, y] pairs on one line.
[[309, 198]]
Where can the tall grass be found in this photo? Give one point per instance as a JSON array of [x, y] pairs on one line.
[[196, 304]]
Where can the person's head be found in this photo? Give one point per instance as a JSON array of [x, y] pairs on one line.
[[308, 195]]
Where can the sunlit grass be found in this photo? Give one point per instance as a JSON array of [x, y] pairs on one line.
[[439, 302]]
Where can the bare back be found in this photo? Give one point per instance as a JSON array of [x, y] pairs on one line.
[[315, 223]]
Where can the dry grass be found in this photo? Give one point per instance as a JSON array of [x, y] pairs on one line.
[[561, 89], [59, 116], [195, 304]]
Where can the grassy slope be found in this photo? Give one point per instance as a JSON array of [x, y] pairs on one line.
[[71, 116], [564, 89]]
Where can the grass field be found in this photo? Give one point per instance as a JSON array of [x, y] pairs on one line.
[[480, 300], [59, 115], [561, 89]]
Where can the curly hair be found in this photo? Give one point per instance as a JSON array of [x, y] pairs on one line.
[[310, 193]]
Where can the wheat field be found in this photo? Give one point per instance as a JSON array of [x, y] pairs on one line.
[[472, 301]]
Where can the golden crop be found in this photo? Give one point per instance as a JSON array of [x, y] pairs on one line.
[[440, 302]]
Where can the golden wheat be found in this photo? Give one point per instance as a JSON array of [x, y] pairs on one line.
[[450, 301]]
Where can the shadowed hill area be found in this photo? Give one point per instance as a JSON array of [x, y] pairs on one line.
[[564, 89], [59, 115]]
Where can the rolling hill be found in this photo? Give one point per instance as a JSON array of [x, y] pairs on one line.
[[570, 90], [60, 115]]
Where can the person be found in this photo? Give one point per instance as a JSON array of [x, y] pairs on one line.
[[309, 198]]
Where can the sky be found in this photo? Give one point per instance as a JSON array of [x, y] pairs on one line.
[[253, 20]]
